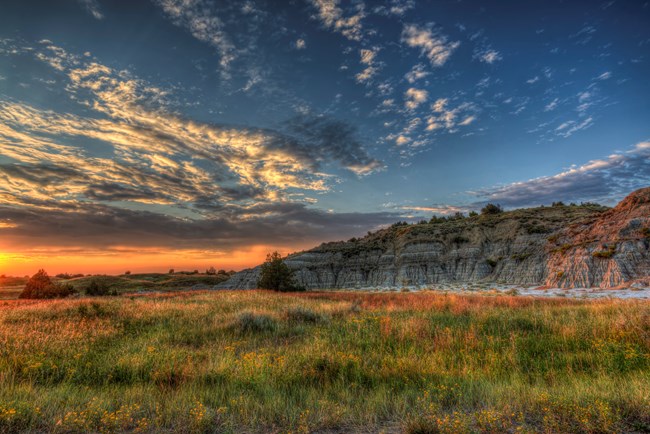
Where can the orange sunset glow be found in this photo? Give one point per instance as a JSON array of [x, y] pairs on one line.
[[119, 260]]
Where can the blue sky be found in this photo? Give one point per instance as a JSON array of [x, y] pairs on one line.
[[219, 127]]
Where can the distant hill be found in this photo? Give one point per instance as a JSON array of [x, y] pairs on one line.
[[557, 246]]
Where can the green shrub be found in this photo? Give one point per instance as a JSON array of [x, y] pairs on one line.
[[605, 254], [459, 239], [98, 288], [491, 208], [251, 323], [302, 314]]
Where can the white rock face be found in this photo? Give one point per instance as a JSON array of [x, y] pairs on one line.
[[566, 246]]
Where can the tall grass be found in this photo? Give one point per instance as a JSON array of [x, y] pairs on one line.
[[256, 361]]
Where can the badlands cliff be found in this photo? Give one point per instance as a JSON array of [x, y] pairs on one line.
[[558, 246]]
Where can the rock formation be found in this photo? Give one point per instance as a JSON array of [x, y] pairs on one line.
[[558, 246]]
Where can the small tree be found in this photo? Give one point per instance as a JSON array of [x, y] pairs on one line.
[[211, 271], [491, 208], [40, 286], [276, 275], [36, 285]]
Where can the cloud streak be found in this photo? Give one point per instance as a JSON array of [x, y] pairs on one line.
[[606, 180]]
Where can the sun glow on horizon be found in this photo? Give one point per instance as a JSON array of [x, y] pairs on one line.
[[120, 260]]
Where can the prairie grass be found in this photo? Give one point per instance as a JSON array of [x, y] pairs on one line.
[[255, 361]]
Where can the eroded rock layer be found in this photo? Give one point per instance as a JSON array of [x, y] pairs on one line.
[[558, 246]]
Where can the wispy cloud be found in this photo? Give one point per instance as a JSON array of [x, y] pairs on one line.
[[489, 56], [448, 118], [416, 73], [333, 17], [196, 16], [606, 180], [92, 7], [432, 44]]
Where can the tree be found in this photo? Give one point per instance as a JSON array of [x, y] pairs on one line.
[[211, 271], [276, 275], [41, 286], [171, 271], [36, 285], [491, 208]]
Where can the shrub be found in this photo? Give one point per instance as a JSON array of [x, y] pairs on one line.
[[459, 239], [491, 208], [605, 254], [645, 232], [491, 262], [473, 214], [556, 204], [302, 314], [277, 276], [40, 286], [98, 288], [249, 322]]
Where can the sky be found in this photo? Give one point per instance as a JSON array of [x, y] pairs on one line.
[[185, 134]]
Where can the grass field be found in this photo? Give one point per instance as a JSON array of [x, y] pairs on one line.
[[254, 361]]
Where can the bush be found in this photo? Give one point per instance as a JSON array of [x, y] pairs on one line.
[[97, 288], [277, 276], [302, 314], [491, 208], [249, 322], [40, 286], [605, 254]]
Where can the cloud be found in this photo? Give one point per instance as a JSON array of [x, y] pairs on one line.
[[551, 105], [604, 76], [489, 56], [607, 181], [159, 157], [92, 7], [153, 178], [568, 128], [431, 43], [416, 73], [450, 118], [367, 57], [196, 16], [333, 17], [300, 44], [414, 97], [91, 225], [442, 209], [535, 79]]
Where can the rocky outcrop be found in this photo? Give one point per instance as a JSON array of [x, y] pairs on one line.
[[559, 246], [611, 251]]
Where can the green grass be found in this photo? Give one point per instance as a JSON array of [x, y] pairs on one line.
[[254, 361], [148, 282]]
